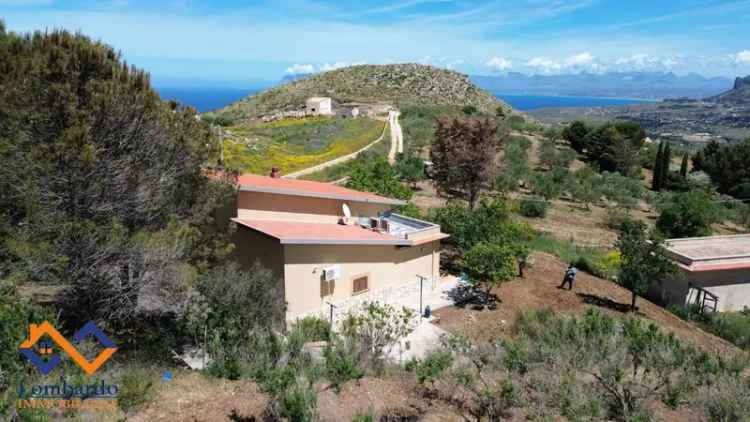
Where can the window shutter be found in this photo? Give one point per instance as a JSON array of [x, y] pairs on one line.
[[359, 284]]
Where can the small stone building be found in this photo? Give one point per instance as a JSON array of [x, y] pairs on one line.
[[714, 273], [319, 106]]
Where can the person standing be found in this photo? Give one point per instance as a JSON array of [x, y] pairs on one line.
[[569, 278]]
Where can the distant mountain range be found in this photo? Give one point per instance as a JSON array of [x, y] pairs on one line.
[[651, 85], [738, 95]]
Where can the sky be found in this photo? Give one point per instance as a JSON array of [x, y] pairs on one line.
[[241, 43]]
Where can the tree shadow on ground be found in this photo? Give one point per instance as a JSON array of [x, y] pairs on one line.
[[236, 417], [604, 302], [465, 295]]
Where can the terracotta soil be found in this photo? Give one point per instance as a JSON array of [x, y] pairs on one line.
[[394, 396], [539, 290], [190, 396]]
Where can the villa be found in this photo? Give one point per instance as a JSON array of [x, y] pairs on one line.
[[714, 273], [332, 247]]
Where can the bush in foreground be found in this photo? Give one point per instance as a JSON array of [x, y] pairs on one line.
[[533, 208], [590, 367]]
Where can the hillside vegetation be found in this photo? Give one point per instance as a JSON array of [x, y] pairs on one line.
[[396, 84], [295, 144]]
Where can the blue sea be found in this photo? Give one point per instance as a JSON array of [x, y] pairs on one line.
[[210, 98], [205, 98], [533, 102]]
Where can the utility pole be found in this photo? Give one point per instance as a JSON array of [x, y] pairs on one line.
[[421, 282], [330, 318]]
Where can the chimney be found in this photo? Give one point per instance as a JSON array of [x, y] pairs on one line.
[[275, 172]]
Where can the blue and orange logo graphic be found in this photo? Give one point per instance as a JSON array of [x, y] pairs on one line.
[[44, 348]]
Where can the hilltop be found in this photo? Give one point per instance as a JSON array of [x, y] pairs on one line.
[[739, 94], [395, 84]]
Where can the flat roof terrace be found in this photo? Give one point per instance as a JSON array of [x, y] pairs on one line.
[[711, 253]]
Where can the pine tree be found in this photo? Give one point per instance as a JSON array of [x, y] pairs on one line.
[[657, 177], [684, 166], [666, 161]]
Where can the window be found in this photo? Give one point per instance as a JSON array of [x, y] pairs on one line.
[[359, 285], [327, 287]]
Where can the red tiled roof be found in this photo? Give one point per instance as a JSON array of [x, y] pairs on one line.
[[292, 232], [717, 267], [256, 183]]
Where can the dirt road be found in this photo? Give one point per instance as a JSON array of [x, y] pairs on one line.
[[397, 136]]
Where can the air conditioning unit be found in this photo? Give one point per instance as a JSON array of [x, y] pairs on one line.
[[332, 273], [383, 225]]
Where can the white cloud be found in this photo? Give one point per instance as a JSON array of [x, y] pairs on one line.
[[583, 59], [544, 65], [743, 57], [646, 62], [499, 64], [298, 69], [445, 62], [325, 67]]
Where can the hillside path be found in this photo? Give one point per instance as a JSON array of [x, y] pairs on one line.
[[397, 136], [339, 160]]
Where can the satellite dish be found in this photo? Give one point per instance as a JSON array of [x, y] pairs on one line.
[[347, 211]]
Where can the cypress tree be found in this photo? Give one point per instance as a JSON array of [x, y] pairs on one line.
[[684, 166], [656, 179], [666, 161]]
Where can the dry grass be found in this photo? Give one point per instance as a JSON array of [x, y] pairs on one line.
[[539, 290], [191, 396]]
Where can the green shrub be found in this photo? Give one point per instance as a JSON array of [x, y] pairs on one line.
[[222, 119], [728, 400], [314, 329], [592, 260], [490, 264], [224, 290], [364, 417], [378, 176], [734, 327], [533, 208], [688, 214], [136, 389], [617, 217], [16, 314], [299, 402], [340, 365], [409, 210], [490, 221], [277, 380], [373, 329], [469, 110], [599, 264], [433, 366], [549, 184]]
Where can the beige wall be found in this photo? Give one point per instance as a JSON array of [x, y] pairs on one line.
[[731, 286], [268, 206], [251, 246], [384, 265]]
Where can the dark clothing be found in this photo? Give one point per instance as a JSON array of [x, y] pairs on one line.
[[570, 276]]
